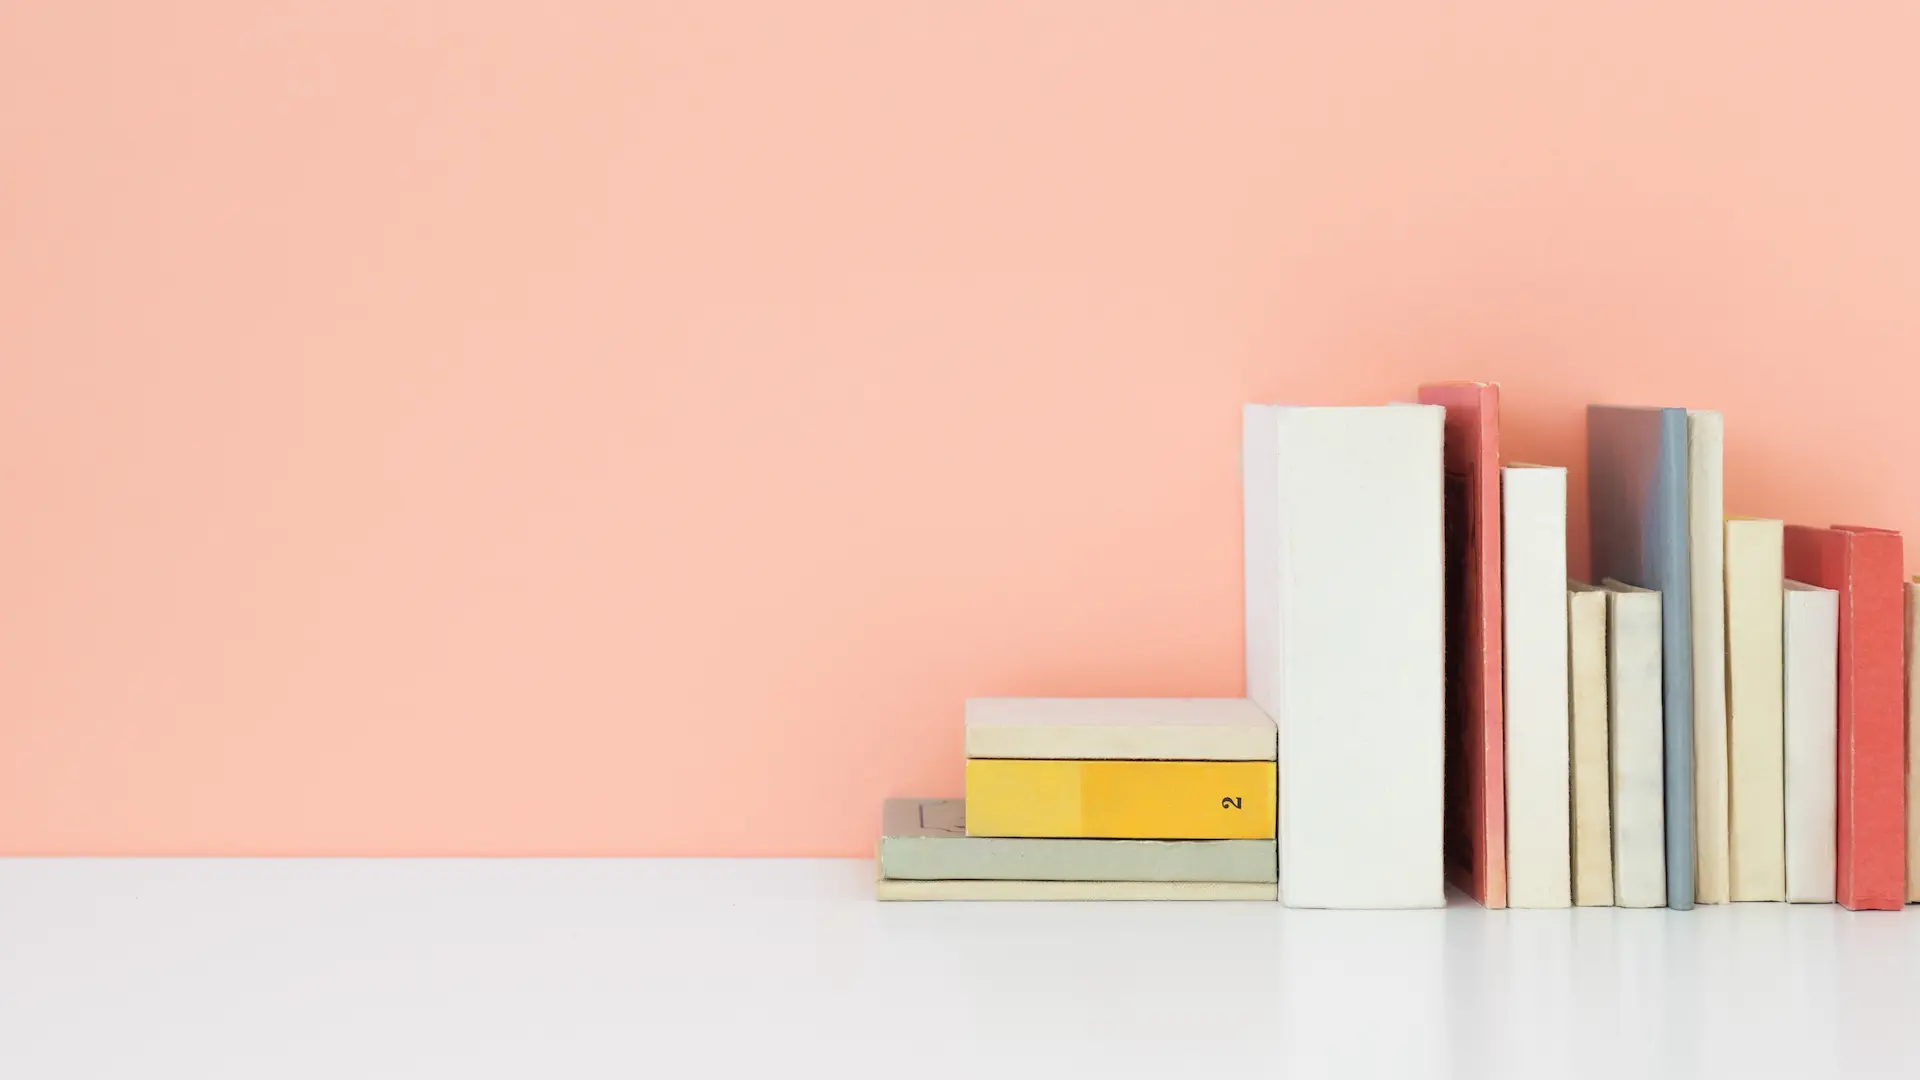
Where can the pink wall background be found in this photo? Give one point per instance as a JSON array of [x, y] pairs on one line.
[[597, 428]]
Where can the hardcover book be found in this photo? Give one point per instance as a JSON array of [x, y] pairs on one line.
[[1476, 788], [1592, 781], [1811, 717], [1163, 729], [1705, 535], [1638, 513], [1637, 746], [890, 889], [1864, 567], [1120, 800], [1539, 763], [1756, 773], [1913, 744], [1346, 645], [926, 840]]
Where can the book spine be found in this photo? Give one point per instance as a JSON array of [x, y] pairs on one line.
[[1872, 818], [1636, 742], [1705, 539], [1913, 743], [1667, 521], [1756, 815], [1539, 832], [1811, 710], [1587, 677], [1148, 800]]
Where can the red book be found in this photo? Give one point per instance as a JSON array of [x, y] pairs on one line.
[[1864, 566], [1476, 800]]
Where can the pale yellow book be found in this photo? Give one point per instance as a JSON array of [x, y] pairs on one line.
[[1706, 546], [1587, 695], [889, 889], [1913, 750], [1121, 800], [1756, 739]]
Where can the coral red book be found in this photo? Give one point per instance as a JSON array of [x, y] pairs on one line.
[[1864, 567], [1476, 799]]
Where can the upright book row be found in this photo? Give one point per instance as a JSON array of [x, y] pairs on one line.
[[1721, 716]]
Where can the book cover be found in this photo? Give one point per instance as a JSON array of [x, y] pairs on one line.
[[926, 840], [1592, 780], [1539, 762], [1636, 741], [1756, 732], [1476, 786], [1345, 641], [891, 889], [1811, 716], [1164, 729], [1705, 536], [1120, 800], [1864, 567], [1638, 512]]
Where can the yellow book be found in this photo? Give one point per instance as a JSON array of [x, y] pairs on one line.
[[1120, 800]]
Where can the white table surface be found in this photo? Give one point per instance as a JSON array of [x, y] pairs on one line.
[[693, 968]]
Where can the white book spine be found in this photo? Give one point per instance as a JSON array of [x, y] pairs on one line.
[[1756, 810], [1705, 545], [1637, 743], [1345, 646], [1913, 748], [1812, 677], [1534, 543], [1592, 797]]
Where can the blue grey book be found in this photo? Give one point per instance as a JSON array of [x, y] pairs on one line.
[[1637, 521]]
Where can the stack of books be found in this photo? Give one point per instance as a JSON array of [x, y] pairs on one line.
[[1721, 714]]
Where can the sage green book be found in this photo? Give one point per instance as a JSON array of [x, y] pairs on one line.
[[926, 840]]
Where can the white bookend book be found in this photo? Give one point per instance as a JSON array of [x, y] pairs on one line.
[[1592, 797], [1636, 741], [1533, 511], [1705, 546], [1756, 740], [1346, 597], [1812, 719], [1913, 749]]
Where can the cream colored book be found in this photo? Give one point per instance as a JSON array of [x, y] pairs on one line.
[[1812, 711], [1533, 508], [1913, 749], [1146, 729], [1756, 739], [1706, 547], [889, 889], [1592, 782], [1636, 741]]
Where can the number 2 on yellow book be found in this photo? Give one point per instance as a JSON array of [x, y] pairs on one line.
[[1121, 800]]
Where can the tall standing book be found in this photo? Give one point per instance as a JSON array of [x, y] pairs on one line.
[[1637, 745], [1539, 834], [1346, 645], [1864, 567], [1756, 813], [1705, 535], [1476, 798], [1812, 667], [1913, 745], [1592, 799], [1638, 519]]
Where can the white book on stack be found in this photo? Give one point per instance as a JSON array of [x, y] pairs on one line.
[[1592, 797], [1706, 540], [1812, 677], [1345, 645], [1533, 509], [1637, 746]]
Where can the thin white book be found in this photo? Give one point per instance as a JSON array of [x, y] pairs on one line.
[[1636, 742], [1592, 783], [1913, 750], [1533, 510], [1705, 546], [1756, 750], [1346, 598], [1812, 718]]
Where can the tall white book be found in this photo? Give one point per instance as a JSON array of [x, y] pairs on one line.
[[1592, 795], [1756, 811], [1346, 597], [1812, 685], [1636, 741], [1533, 510], [1913, 751], [1705, 546]]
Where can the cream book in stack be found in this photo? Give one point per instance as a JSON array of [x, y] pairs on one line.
[[1345, 640], [1811, 715], [1592, 782], [1539, 763], [1636, 740], [1756, 740], [1706, 549]]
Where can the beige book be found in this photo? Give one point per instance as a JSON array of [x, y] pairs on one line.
[[1756, 740], [1636, 745], [1706, 550], [1147, 729], [889, 889], [1592, 799], [1533, 537], [1913, 749], [1811, 719]]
